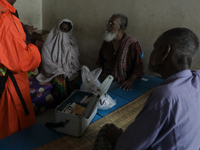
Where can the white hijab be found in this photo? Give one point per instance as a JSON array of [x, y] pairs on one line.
[[59, 55]]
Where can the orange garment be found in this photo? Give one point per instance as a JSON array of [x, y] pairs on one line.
[[19, 58]]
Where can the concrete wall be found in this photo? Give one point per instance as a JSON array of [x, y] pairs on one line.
[[147, 20], [30, 12]]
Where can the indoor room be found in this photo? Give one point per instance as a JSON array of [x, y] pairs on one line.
[[147, 20]]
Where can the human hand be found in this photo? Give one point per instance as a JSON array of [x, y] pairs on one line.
[[112, 133], [30, 29], [127, 85]]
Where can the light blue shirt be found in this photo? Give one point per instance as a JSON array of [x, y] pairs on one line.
[[170, 118]]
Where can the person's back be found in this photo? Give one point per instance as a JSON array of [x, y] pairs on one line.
[[178, 99], [171, 116]]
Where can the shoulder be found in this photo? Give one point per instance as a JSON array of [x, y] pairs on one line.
[[163, 91], [131, 39], [172, 91], [169, 93], [132, 42]]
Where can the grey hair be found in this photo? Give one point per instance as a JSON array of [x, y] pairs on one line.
[[184, 43], [123, 20]]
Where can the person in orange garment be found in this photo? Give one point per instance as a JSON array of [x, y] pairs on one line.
[[18, 58], [27, 28]]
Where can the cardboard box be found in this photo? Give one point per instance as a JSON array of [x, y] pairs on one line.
[[78, 110]]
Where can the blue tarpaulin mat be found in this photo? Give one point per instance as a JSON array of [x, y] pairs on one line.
[[28, 138]]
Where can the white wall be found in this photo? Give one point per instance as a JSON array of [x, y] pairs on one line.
[[147, 20], [30, 12]]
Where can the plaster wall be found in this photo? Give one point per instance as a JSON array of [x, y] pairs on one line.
[[30, 12], [147, 20]]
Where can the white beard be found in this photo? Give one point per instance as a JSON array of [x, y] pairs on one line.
[[108, 36]]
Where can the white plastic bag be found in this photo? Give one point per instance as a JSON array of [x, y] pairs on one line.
[[90, 79], [106, 102], [91, 83]]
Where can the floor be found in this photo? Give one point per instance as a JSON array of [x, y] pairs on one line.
[[46, 116], [121, 117]]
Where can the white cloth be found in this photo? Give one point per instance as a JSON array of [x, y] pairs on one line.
[[59, 55]]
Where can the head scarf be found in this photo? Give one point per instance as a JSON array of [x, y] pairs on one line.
[[59, 55]]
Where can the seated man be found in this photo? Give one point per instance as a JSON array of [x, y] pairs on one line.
[[120, 54], [170, 118]]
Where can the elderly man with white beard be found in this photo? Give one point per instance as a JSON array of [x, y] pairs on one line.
[[120, 54]]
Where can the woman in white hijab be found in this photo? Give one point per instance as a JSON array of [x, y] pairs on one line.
[[60, 55]]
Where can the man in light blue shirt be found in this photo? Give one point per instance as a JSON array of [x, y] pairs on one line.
[[170, 118]]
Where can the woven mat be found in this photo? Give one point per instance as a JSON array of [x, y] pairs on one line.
[[121, 117]]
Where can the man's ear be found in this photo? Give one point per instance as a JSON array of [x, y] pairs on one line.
[[166, 52]]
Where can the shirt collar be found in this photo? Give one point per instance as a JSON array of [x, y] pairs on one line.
[[180, 74]]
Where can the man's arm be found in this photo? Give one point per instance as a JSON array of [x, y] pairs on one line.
[[15, 54], [143, 132], [32, 58]]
